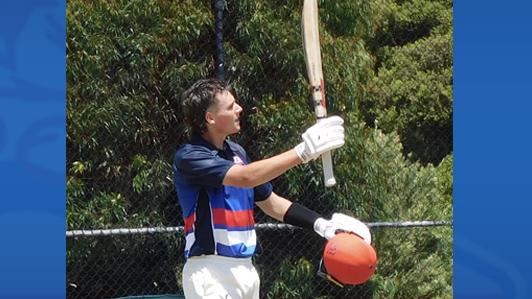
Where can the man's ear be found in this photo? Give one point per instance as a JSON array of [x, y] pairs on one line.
[[209, 118]]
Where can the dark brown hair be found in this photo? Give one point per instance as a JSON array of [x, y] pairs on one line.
[[197, 99]]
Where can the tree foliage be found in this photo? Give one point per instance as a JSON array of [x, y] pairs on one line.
[[411, 92], [388, 72]]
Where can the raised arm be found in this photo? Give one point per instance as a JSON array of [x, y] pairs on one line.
[[324, 136], [260, 172]]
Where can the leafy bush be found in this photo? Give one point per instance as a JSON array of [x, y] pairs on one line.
[[411, 92], [388, 72]]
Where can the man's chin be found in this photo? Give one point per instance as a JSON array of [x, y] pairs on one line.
[[236, 130]]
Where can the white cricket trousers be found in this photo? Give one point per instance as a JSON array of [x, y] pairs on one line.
[[220, 277]]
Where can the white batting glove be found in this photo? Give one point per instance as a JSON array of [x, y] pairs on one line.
[[341, 223], [322, 137], [351, 224]]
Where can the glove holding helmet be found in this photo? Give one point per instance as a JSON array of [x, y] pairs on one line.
[[348, 257], [341, 222]]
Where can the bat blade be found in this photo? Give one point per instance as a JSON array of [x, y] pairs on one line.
[[311, 46]]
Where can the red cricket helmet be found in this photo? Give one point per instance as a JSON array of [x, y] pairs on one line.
[[348, 259]]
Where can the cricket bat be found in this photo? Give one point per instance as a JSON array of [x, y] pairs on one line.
[[311, 46]]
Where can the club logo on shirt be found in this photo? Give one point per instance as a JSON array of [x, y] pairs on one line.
[[237, 160]]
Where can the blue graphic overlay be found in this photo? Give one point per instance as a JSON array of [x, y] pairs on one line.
[[32, 149], [492, 239]]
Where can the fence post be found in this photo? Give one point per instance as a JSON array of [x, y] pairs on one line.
[[219, 42]]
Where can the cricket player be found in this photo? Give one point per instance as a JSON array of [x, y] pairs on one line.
[[218, 185]]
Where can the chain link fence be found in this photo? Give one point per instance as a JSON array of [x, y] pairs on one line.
[[388, 73], [124, 262]]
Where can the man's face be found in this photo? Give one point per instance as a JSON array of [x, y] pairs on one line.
[[224, 114]]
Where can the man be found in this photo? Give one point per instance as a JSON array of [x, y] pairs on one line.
[[217, 186]]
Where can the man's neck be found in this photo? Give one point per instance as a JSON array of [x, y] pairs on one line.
[[214, 139]]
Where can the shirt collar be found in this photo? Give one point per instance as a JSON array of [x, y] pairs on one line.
[[198, 140]]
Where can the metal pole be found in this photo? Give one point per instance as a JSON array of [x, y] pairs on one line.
[[219, 42]]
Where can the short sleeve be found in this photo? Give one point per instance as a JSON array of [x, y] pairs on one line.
[[262, 192], [200, 166]]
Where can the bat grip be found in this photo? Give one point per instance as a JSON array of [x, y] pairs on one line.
[[326, 161]]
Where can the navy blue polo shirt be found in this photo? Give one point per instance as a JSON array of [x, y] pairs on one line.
[[218, 219]]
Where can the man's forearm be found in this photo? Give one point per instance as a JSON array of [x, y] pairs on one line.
[[262, 171]]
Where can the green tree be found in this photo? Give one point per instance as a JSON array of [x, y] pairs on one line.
[[411, 92], [388, 72]]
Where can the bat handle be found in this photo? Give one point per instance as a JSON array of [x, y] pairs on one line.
[[326, 161]]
